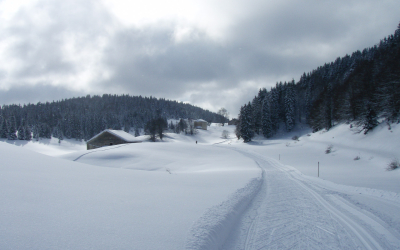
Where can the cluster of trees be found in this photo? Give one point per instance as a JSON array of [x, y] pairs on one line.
[[362, 89], [185, 126], [83, 117]]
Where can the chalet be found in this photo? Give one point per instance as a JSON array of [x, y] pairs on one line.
[[200, 124], [234, 121], [110, 137]]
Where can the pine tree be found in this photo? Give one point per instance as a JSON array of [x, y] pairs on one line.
[[238, 128], [36, 132], [266, 119], [289, 107], [329, 107], [21, 134], [246, 123], [137, 133], [27, 133], [274, 108], [60, 136], [3, 127], [368, 119], [12, 130], [308, 101]]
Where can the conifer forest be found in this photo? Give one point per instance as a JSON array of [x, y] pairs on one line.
[[362, 89], [83, 117]]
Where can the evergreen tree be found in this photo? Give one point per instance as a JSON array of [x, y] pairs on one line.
[[21, 134], [246, 123], [289, 106], [36, 132], [329, 107], [3, 127], [368, 119], [266, 119], [27, 133], [274, 108], [12, 130], [137, 133], [238, 128]]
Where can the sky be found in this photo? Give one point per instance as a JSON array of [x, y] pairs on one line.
[[209, 53]]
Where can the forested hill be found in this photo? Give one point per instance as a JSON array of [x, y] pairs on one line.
[[363, 89], [84, 117]]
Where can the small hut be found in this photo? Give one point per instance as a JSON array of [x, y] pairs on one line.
[[234, 121], [200, 124], [110, 137]]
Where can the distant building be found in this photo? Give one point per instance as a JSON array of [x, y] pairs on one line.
[[234, 121], [110, 137], [200, 124]]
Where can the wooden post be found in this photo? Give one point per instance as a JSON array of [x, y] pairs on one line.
[[318, 169]]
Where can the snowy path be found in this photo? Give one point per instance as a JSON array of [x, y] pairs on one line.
[[291, 212]]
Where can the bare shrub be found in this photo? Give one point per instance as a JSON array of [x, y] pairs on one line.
[[357, 158], [394, 164], [328, 150], [225, 134]]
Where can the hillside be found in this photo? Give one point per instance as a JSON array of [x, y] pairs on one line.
[[216, 194], [83, 117], [362, 88]]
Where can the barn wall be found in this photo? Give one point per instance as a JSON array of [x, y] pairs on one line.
[[203, 125], [105, 139]]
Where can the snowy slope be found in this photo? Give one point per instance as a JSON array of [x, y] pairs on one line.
[[216, 194], [376, 150], [139, 196]]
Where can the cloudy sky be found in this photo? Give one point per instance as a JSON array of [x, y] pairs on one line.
[[210, 53]]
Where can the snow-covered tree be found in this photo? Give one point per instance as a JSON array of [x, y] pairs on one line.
[[266, 119], [12, 130]]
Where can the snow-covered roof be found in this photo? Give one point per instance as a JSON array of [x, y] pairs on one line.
[[200, 120], [120, 134]]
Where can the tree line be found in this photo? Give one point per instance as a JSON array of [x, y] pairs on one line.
[[362, 89], [83, 117]]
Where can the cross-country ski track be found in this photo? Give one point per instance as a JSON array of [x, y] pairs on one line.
[[284, 210], [292, 212]]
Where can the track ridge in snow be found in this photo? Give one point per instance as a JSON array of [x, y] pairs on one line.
[[95, 151], [213, 228], [296, 214]]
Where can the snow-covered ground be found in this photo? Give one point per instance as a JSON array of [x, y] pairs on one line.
[[216, 194]]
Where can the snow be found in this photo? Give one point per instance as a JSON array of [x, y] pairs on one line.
[[141, 196], [120, 134], [216, 194], [376, 150]]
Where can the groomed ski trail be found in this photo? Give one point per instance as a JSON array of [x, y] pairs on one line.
[[290, 212]]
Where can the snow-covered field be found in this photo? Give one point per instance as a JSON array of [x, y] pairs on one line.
[[216, 194]]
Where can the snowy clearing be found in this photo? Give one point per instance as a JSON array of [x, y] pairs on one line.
[[216, 194]]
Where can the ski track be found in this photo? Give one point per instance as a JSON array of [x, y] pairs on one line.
[[290, 212]]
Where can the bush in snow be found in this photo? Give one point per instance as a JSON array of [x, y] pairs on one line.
[[225, 134], [394, 164], [357, 158], [295, 138], [329, 149]]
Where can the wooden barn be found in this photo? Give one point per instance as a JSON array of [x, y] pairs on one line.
[[234, 121], [200, 124], [110, 137]]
